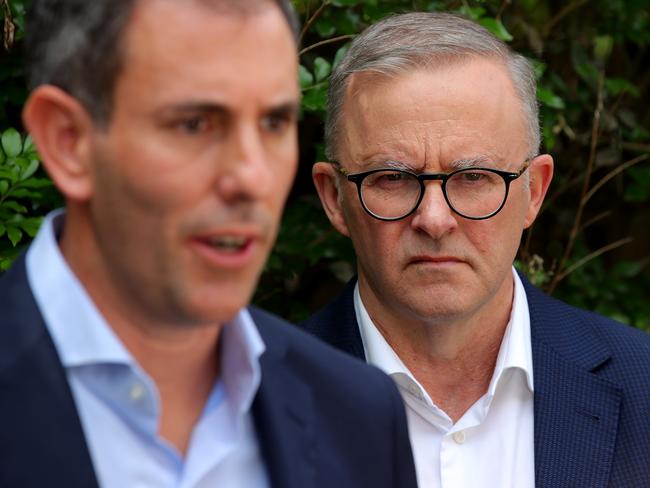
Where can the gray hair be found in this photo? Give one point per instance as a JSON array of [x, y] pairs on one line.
[[408, 41], [77, 45]]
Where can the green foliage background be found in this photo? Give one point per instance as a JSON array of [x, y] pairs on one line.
[[590, 245]]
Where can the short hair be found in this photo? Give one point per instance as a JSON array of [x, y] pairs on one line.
[[77, 45], [405, 42]]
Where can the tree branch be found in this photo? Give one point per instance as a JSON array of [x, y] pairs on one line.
[[585, 186], [311, 20], [546, 30], [326, 41], [620, 168], [560, 276]]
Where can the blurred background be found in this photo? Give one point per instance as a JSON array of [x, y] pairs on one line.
[[590, 245]]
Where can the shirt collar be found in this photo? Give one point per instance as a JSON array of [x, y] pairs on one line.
[[82, 336], [79, 332], [515, 351]]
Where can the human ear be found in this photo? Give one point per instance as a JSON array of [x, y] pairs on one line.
[[62, 130], [541, 174], [324, 176]]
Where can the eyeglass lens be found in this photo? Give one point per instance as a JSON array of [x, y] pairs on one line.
[[474, 193]]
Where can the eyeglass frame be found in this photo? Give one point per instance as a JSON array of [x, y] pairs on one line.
[[357, 178]]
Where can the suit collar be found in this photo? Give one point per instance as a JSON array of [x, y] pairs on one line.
[[576, 410], [580, 342], [283, 412], [35, 398]]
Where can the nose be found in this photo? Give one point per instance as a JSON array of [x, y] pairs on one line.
[[433, 216], [247, 174]]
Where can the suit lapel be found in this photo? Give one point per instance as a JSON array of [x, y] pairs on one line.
[[46, 445], [337, 324], [576, 411], [283, 412]]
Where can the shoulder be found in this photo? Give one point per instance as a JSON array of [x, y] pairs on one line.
[[325, 367], [569, 328], [341, 308]]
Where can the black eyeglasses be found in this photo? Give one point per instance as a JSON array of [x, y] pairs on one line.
[[472, 193]]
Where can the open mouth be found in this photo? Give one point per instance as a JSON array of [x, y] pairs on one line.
[[227, 244]]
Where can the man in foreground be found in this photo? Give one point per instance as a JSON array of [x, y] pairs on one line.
[[127, 354], [434, 172]]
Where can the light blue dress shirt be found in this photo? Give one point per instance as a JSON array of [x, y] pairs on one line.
[[118, 402]]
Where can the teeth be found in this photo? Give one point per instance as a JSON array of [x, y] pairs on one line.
[[228, 243]]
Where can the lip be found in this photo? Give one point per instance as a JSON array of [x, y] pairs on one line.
[[435, 260], [240, 258]]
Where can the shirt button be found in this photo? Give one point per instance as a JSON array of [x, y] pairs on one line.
[[459, 436], [136, 392]]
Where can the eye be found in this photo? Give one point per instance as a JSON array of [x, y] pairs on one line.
[[276, 123], [476, 178], [472, 176], [194, 125], [388, 179], [393, 176]]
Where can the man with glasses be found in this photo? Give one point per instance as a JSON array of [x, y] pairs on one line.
[[128, 354], [432, 138]]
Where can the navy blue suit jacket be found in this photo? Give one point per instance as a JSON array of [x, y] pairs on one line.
[[323, 418], [592, 390]]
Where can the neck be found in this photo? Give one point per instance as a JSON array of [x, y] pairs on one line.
[[454, 359], [170, 353]]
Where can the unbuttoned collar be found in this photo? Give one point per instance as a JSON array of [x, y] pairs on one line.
[[87, 345], [515, 352]]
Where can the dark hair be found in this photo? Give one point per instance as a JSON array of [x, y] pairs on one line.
[[77, 45]]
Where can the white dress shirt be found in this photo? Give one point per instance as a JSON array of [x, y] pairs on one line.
[[491, 445], [118, 403]]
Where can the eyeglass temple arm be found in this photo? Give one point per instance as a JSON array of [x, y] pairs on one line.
[[340, 168]]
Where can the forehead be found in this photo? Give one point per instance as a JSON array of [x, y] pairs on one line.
[[462, 109], [172, 46]]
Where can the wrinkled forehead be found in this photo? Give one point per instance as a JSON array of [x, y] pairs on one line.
[[440, 104]]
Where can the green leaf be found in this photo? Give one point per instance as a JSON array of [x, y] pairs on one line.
[[617, 86], [2, 156], [496, 27], [346, 3], [539, 67], [547, 97], [339, 54], [325, 28], [35, 183], [24, 193], [3, 229], [31, 225], [29, 170], [472, 13], [587, 72], [603, 48], [14, 234], [15, 206], [305, 77], [322, 68], [4, 186], [12, 143], [28, 145], [315, 100]]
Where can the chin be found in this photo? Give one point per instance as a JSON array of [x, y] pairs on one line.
[[216, 307]]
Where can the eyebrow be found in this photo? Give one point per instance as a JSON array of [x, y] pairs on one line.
[[377, 162], [195, 107], [481, 160], [290, 107]]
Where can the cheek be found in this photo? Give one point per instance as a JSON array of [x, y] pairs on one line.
[[155, 180]]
